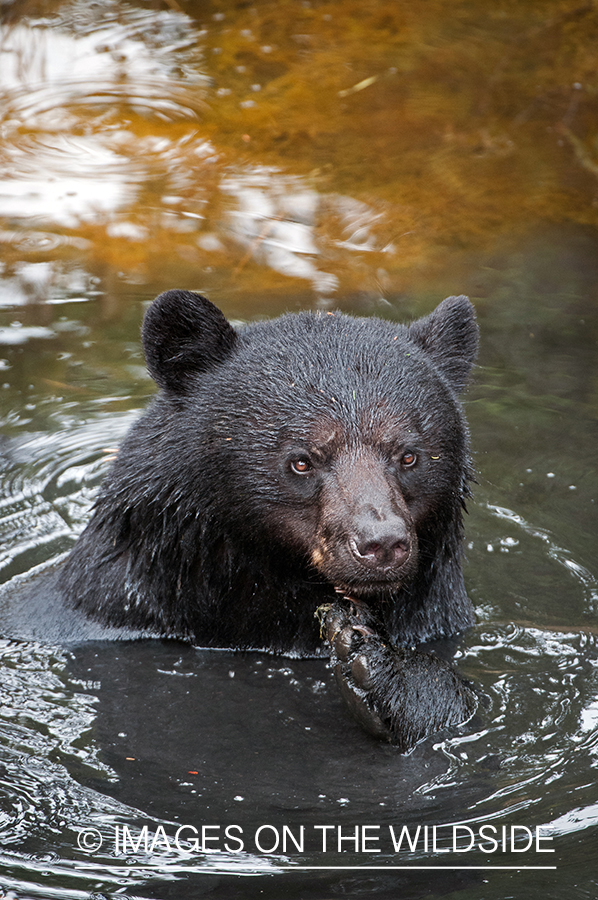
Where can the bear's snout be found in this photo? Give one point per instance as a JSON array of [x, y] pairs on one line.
[[367, 540], [380, 543], [374, 512], [386, 546]]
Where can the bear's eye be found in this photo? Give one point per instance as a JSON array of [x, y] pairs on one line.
[[301, 466], [408, 459]]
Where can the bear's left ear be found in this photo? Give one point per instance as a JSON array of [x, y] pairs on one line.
[[184, 334], [450, 336]]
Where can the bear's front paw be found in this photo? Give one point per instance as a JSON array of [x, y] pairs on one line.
[[396, 693]]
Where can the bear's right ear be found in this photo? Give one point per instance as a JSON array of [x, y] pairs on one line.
[[449, 335], [184, 334]]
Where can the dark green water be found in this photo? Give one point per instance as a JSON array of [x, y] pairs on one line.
[[121, 179]]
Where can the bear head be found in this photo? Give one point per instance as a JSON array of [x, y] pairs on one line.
[[280, 462]]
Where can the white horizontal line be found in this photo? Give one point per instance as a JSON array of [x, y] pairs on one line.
[[431, 868]]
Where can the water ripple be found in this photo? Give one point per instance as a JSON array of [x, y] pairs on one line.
[[65, 82], [559, 554]]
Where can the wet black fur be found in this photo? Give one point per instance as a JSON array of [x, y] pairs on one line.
[[198, 531]]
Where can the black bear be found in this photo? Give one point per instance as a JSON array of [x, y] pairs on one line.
[[312, 462]]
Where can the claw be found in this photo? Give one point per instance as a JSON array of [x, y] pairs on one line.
[[367, 632]]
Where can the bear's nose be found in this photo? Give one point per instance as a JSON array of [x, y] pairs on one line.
[[384, 549]]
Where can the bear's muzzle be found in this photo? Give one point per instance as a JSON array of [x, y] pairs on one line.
[[367, 539]]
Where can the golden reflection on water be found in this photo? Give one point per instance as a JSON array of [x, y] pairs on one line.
[[282, 147]]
